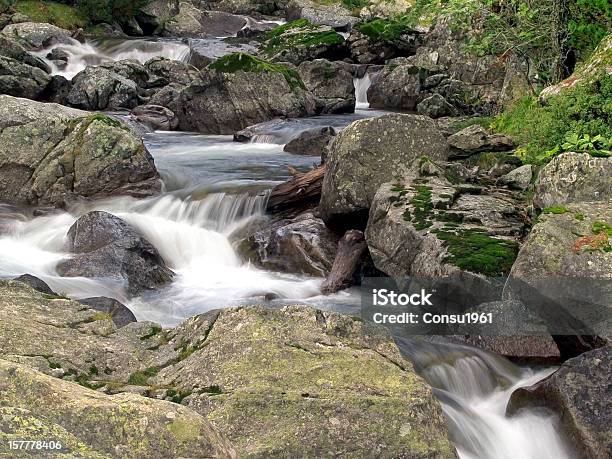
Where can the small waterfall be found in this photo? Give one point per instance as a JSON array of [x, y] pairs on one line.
[[80, 55], [474, 387], [361, 90]]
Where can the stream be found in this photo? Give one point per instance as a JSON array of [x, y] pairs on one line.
[[214, 188]]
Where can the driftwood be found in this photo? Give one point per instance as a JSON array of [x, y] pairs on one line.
[[302, 189], [350, 252]]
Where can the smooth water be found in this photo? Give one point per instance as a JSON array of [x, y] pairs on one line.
[[361, 91]]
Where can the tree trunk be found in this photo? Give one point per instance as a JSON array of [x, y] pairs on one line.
[[300, 191], [350, 251]]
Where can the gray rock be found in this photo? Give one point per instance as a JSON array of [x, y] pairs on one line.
[[398, 87], [101, 88], [155, 14], [333, 15], [573, 177], [57, 90], [105, 246], [22, 80], [120, 314], [249, 7], [579, 393], [369, 153], [312, 142], [164, 71], [475, 139], [12, 49], [331, 84], [15, 112], [37, 35], [301, 246], [37, 284], [156, 117], [435, 106], [519, 178], [193, 22]]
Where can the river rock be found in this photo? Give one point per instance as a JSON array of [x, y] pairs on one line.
[[37, 284], [12, 49], [573, 177], [105, 246], [301, 246], [249, 7], [59, 160], [164, 71], [156, 117], [193, 22], [333, 14], [36, 35], [312, 142], [119, 313], [155, 14], [369, 153], [89, 424], [101, 88], [519, 178], [579, 393], [15, 112], [332, 86], [435, 106], [398, 87], [22, 80], [475, 139]]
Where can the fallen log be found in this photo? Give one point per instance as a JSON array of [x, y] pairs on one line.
[[301, 190], [351, 248]]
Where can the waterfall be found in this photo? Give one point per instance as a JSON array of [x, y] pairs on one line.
[[361, 90], [474, 388]]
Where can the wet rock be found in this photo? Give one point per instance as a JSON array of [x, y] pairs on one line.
[[105, 246], [573, 177], [22, 80], [90, 424], [333, 15], [250, 7], [368, 153], [579, 393], [11, 48], [57, 90], [156, 117], [37, 35], [519, 178], [302, 246], [193, 22], [435, 106], [475, 139], [164, 71], [312, 142], [331, 85], [102, 88], [59, 160], [36, 283], [120, 314], [255, 28]]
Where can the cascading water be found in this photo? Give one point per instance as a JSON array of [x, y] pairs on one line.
[[361, 91], [474, 387]]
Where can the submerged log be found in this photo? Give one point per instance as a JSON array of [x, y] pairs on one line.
[[350, 252], [301, 190]]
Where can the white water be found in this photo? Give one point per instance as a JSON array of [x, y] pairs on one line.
[[474, 388], [361, 91]]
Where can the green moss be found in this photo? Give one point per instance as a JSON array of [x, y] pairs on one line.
[[579, 216], [155, 330], [557, 210], [93, 370], [386, 30], [478, 252], [101, 316], [183, 431], [599, 227], [141, 378], [235, 62], [300, 33], [177, 396], [212, 390], [55, 13]]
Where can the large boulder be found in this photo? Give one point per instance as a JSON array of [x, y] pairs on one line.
[[11, 48], [119, 313], [86, 423], [239, 91], [164, 71], [105, 246], [302, 246], [476, 139], [363, 156], [16, 111], [155, 14], [36, 35], [193, 22], [313, 142], [51, 161], [398, 87], [573, 177], [331, 85], [156, 117], [22, 80], [579, 394], [333, 14]]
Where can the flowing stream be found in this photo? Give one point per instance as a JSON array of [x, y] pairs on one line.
[[214, 189]]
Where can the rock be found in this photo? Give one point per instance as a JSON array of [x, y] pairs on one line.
[[105, 246], [164, 71], [101, 88], [331, 380], [333, 15], [229, 99], [12, 49], [156, 117], [492, 165], [363, 156], [300, 41], [385, 9], [57, 90], [119, 313], [312, 142], [38, 35], [573, 177], [435, 106], [90, 424], [579, 393], [249, 7], [59, 160], [15, 112], [22, 80], [397, 87], [475, 139], [301, 246], [36, 283], [131, 27], [154, 14], [331, 84], [192, 22], [519, 178], [254, 28]]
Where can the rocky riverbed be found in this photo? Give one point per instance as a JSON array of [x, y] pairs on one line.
[[190, 199]]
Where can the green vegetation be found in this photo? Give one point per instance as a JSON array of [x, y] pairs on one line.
[[601, 227], [141, 378], [556, 210], [299, 33], [59, 14], [155, 330], [110, 11], [580, 119], [478, 252], [235, 62]]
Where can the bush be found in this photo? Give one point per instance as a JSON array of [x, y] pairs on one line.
[[564, 123], [110, 11]]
